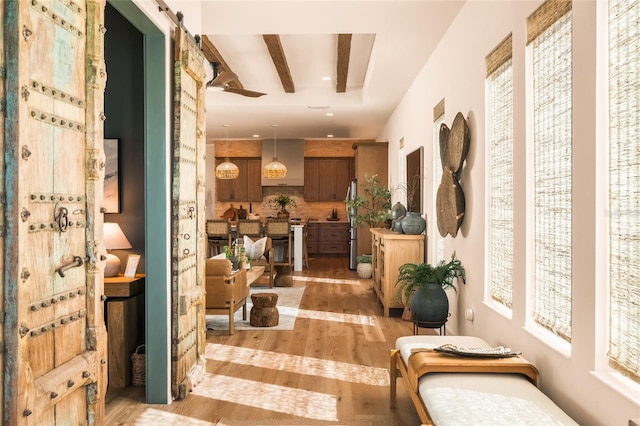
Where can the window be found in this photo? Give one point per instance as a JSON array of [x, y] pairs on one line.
[[437, 248], [549, 34], [500, 168], [624, 184]]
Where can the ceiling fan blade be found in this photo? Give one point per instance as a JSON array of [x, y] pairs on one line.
[[223, 79], [244, 92]]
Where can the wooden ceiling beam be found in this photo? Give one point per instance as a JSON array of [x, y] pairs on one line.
[[211, 52], [342, 71], [280, 61]]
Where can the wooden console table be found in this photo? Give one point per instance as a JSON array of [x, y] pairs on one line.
[[124, 317]]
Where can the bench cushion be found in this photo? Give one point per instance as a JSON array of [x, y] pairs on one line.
[[479, 398]]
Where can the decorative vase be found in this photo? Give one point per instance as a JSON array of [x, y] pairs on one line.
[[398, 212], [413, 223], [365, 270], [430, 305]]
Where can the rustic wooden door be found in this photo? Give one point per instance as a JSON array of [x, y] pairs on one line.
[[188, 222], [3, 73], [55, 368]]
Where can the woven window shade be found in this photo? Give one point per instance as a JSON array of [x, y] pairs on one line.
[[501, 54], [500, 125], [438, 111], [545, 16], [552, 177], [624, 186]]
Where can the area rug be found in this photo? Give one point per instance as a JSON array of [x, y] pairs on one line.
[[287, 422], [288, 302]]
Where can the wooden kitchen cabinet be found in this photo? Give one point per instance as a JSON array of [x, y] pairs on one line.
[[327, 179], [328, 238], [247, 186], [333, 238], [390, 250], [311, 179]]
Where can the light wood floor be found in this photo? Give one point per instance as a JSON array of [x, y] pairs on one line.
[[333, 367]]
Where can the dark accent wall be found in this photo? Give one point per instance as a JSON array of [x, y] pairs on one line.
[[124, 111]]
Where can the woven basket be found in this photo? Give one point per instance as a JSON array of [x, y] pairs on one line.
[[138, 373], [365, 270]]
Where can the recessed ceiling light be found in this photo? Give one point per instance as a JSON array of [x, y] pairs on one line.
[[329, 114], [326, 78], [329, 136], [256, 136]]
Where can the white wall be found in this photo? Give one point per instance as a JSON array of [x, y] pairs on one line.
[[456, 72]]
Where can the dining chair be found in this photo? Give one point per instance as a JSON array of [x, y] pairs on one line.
[[218, 235]]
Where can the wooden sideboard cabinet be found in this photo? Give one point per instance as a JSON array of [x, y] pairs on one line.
[[390, 250], [124, 312]]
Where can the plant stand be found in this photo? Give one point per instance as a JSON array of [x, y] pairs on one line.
[[417, 325]]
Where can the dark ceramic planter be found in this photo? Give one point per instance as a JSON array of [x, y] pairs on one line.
[[430, 305]]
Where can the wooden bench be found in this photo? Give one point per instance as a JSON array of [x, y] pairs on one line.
[[434, 381]]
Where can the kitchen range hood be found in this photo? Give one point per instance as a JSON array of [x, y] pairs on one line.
[[290, 152]]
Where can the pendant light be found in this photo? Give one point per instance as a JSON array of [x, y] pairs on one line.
[[226, 169], [275, 169]]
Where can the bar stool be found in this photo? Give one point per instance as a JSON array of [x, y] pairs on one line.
[[305, 251], [218, 235], [249, 227], [279, 230]]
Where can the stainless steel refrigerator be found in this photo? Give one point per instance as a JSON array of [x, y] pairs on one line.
[[353, 231]]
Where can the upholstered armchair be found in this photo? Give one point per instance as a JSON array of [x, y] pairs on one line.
[[226, 291]]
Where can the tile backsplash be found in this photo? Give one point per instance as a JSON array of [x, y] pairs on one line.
[[318, 210]]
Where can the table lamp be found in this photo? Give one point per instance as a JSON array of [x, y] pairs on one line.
[[114, 239]]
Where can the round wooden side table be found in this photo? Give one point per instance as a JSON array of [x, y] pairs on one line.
[[283, 276]]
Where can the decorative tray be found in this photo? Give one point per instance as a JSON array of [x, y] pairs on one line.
[[495, 352]]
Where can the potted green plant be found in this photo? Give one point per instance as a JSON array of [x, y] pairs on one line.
[[229, 253], [424, 285], [281, 201], [372, 206], [364, 267]]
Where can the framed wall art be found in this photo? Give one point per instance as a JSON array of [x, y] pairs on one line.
[[132, 265], [111, 176]]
